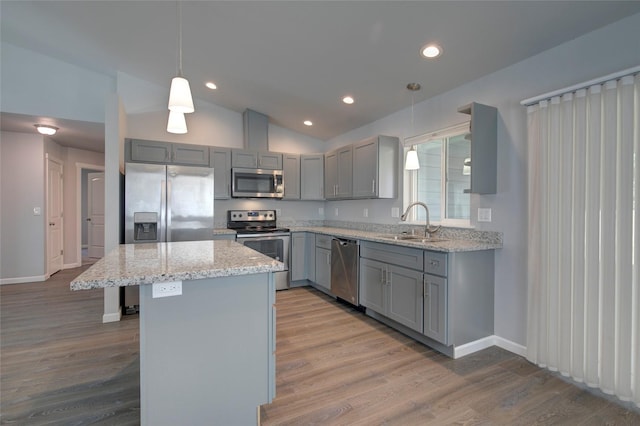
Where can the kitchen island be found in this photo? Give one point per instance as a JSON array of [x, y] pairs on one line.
[[207, 328]]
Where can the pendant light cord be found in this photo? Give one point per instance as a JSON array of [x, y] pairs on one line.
[[179, 7]]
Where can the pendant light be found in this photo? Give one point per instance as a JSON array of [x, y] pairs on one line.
[[180, 99], [412, 162], [176, 123]]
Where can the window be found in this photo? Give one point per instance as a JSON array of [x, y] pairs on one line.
[[444, 177]]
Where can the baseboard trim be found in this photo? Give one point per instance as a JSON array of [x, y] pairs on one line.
[[71, 265], [475, 346], [21, 280], [112, 317], [510, 346]]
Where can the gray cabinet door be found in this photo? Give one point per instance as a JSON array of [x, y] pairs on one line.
[[244, 159], [331, 175], [323, 267], [269, 160], [435, 308], [373, 285], [404, 303], [291, 176], [345, 172], [150, 151], [298, 256], [189, 155], [365, 169], [221, 163], [312, 177]]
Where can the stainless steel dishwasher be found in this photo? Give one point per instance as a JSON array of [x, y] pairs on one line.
[[344, 269]]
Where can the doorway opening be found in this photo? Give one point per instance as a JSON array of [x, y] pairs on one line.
[[90, 212]]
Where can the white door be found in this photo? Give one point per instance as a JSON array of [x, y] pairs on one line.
[[54, 216], [95, 214]]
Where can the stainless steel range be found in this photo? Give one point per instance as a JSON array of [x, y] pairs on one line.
[[257, 229]]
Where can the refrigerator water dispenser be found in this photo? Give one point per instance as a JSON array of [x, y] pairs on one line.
[[145, 226]]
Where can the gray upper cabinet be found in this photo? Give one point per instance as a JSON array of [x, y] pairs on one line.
[[221, 163], [190, 155], [484, 142], [338, 174], [311, 177], [249, 159], [149, 151], [244, 158], [145, 151], [291, 176], [375, 167]]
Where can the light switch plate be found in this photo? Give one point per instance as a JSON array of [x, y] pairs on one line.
[[321, 211], [37, 211], [395, 212], [365, 213], [336, 211], [484, 214]]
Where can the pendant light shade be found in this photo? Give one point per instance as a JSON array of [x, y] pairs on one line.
[[177, 123], [180, 99], [412, 162]]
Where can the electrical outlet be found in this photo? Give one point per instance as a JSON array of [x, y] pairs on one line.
[[365, 213], [484, 215], [278, 212], [37, 211], [336, 211], [172, 288], [320, 211], [395, 212]]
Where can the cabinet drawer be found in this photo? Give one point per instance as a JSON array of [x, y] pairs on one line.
[[323, 241], [435, 263], [393, 254]]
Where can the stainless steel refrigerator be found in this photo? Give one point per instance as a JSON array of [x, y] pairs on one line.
[[166, 203]]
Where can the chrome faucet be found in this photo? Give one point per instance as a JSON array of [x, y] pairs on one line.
[[428, 229]]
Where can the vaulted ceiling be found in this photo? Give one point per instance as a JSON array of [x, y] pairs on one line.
[[295, 60]]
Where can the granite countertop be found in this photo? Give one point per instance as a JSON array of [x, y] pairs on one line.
[[453, 242], [134, 264]]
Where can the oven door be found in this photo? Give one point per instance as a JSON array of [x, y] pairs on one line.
[[274, 246]]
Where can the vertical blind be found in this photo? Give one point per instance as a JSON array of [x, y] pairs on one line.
[[583, 316]]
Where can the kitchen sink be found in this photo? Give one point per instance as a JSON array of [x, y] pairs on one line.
[[414, 238]]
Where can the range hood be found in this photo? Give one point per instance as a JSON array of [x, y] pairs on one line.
[[256, 130]]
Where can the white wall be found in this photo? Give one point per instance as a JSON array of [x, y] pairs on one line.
[[612, 48], [22, 180]]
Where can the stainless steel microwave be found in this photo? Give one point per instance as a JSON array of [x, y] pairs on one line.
[[256, 183]]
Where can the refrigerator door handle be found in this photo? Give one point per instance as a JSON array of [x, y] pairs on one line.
[[168, 220], [163, 206]]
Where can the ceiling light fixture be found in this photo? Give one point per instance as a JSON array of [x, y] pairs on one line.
[[412, 162], [348, 100], [180, 99], [177, 123], [45, 129], [431, 51], [211, 85], [308, 123]]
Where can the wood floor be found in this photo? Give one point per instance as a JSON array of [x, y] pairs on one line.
[[60, 365]]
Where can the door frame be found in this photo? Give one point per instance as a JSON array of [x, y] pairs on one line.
[[48, 157], [79, 201]]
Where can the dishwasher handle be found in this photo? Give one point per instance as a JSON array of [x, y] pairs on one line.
[[344, 243]]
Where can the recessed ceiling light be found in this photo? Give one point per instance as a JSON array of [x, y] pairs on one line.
[[348, 100], [431, 51], [45, 129], [308, 123], [211, 85]]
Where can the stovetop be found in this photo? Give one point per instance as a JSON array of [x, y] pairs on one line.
[[253, 221]]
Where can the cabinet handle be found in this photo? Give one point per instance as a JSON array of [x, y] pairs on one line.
[[382, 276], [435, 263], [373, 186], [425, 291]]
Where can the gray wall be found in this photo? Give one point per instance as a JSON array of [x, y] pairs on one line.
[[21, 190]]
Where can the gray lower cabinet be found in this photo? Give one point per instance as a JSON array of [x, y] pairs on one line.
[[221, 163], [312, 177], [323, 261], [446, 297], [291, 176], [298, 269], [392, 290]]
